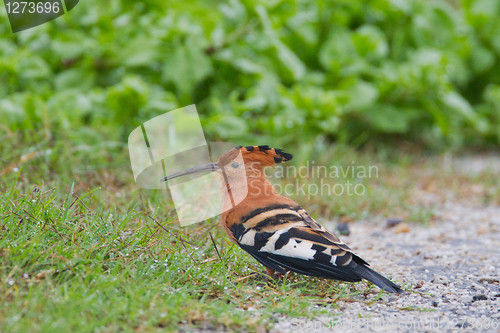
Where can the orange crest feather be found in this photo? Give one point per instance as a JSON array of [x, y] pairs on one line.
[[264, 155]]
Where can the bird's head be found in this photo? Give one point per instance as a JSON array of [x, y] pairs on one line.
[[240, 161]]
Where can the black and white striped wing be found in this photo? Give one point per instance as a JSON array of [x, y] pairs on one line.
[[302, 250], [287, 238], [283, 237]]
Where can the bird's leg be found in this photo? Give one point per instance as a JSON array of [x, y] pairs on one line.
[[270, 272], [273, 274]]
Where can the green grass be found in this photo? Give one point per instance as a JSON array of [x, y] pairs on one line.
[[83, 249], [67, 267]]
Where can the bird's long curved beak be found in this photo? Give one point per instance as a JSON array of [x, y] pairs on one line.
[[202, 168]]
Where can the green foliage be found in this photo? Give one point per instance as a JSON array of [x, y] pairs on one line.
[[260, 72]]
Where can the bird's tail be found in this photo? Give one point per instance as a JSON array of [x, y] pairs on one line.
[[380, 281]]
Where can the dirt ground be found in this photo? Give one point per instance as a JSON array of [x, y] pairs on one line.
[[450, 267]]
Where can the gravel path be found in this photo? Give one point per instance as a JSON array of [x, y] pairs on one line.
[[452, 267]]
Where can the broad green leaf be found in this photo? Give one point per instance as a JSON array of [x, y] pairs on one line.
[[141, 51], [370, 42], [228, 126], [390, 119], [73, 44], [338, 51], [362, 94], [33, 68], [74, 78], [285, 55], [186, 66]]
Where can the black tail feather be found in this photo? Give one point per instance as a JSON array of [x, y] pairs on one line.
[[370, 275]]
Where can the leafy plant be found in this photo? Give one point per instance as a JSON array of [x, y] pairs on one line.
[[282, 72]]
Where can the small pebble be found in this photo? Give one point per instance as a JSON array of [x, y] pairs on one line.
[[343, 229], [479, 298], [479, 288], [488, 279], [402, 228], [440, 279], [482, 230], [464, 299], [393, 222], [419, 284]]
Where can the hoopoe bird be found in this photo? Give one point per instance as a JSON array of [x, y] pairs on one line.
[[274, 229]]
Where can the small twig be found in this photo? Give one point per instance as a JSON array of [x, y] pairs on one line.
[[208, 260], [254, 274], [49, 190], [171, 233], [215, 246], [182, 240], [54, 229]]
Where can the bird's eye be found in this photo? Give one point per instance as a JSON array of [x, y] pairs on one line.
[[235, 165]]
